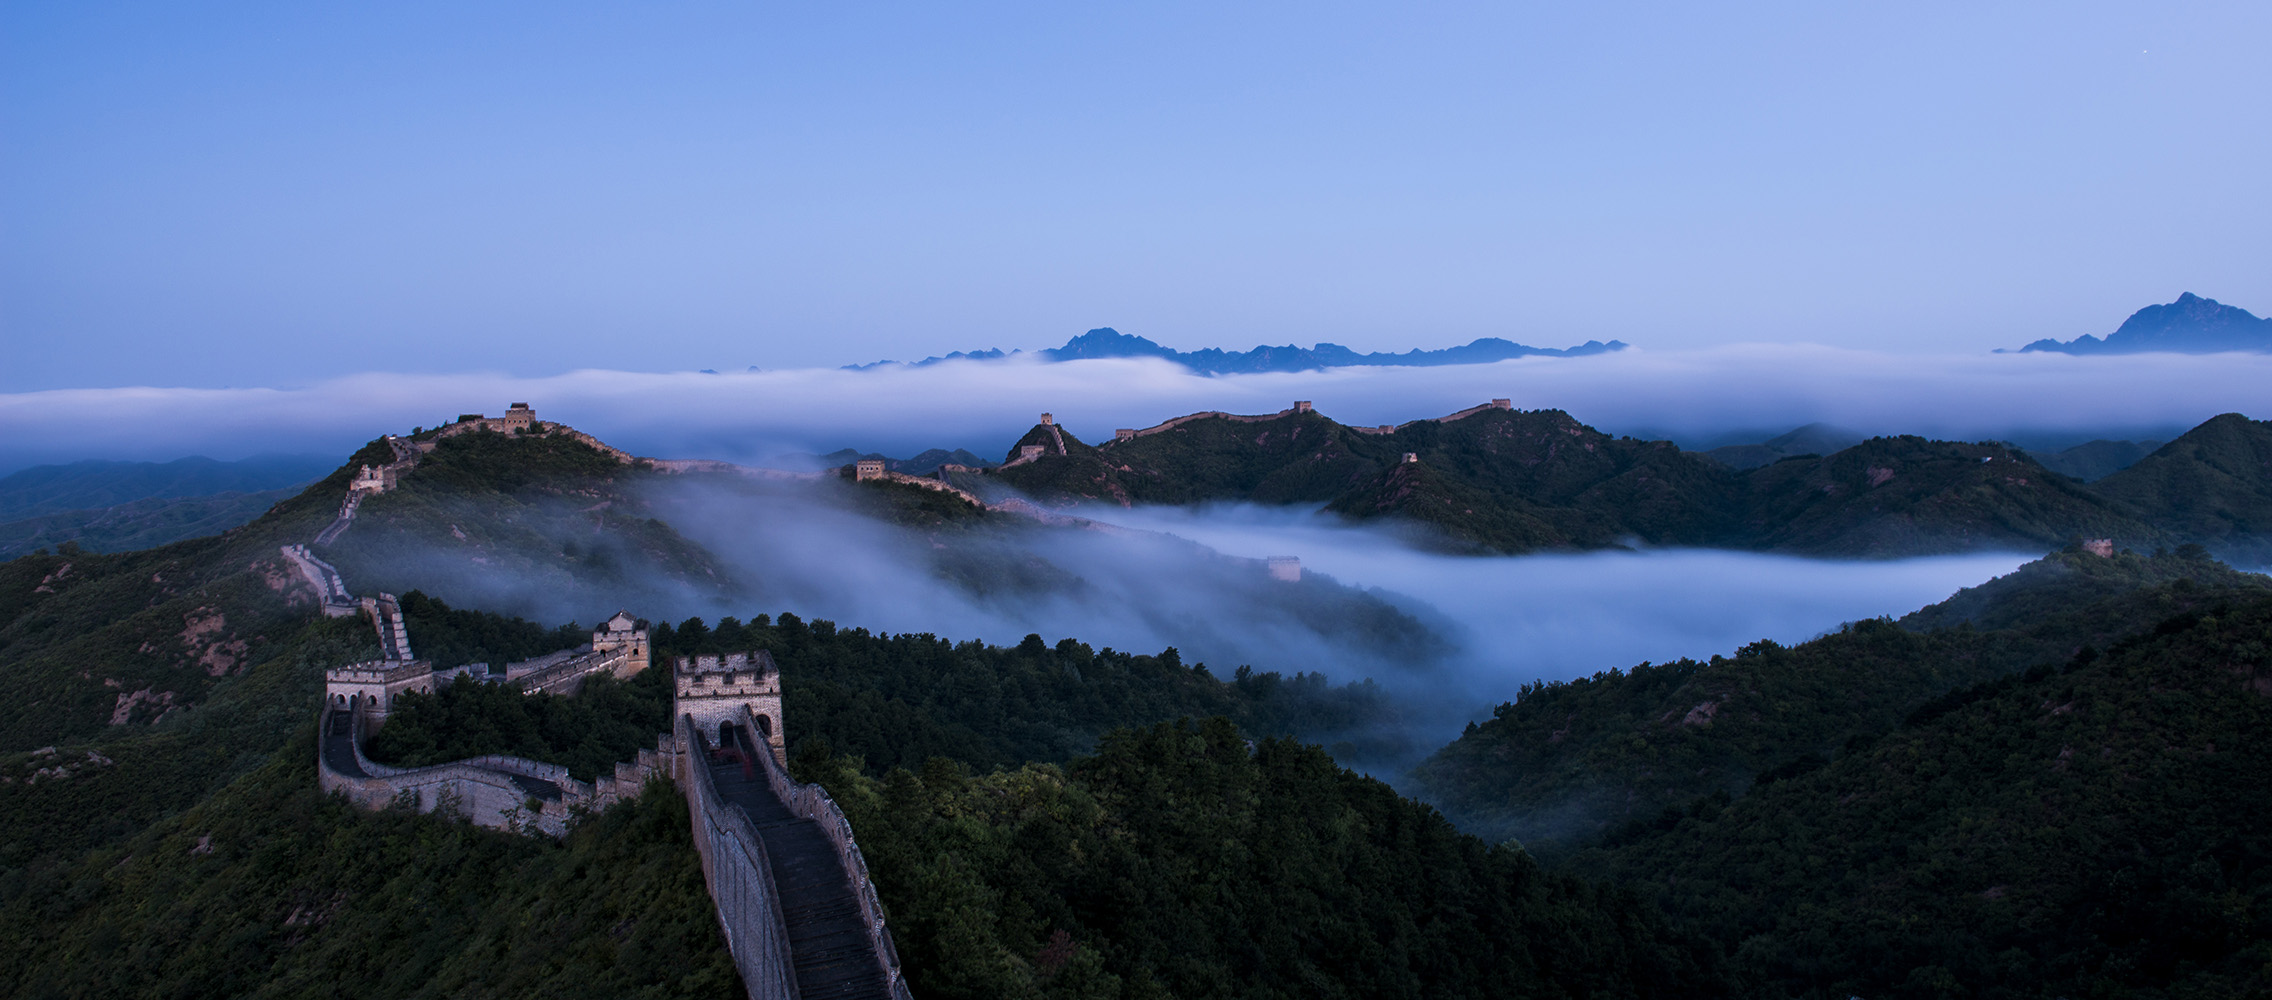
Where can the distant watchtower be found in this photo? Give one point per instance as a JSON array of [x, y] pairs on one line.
[[713, 689], [868, 468], [517, 417], [623, 632]]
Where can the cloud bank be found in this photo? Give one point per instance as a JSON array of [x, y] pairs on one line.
[[1557, 617], [1697, 397]]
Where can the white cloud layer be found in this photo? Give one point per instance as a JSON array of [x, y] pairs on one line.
[[1554, 617], [1694, 396]]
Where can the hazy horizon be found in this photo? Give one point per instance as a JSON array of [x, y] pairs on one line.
[[1698, 398]]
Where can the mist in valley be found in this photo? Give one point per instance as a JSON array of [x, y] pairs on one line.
[[1513, 620], [1443, 637]]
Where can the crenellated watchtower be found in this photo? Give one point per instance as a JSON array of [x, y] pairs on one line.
[[713, 689]]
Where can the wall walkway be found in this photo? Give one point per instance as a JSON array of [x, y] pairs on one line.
[[834, 942], [505, 793]]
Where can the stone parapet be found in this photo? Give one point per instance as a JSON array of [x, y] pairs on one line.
[[567, 676], [941, 486], [811, 801], [331, 590], [496, 791], [1175, 422], [738, 873]]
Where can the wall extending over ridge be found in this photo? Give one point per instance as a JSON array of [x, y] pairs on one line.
[[505, 793], [330, 588]]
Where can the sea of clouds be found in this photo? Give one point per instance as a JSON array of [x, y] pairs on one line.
[[1518, 619], [1700, 397], [1510, 620]]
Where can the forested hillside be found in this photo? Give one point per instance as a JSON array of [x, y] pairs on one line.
[[269, 888], [2092, 828], [1184, 861], [1568, 762], [2212, 486], [2039, 786], [137, 524], [1503, 480]]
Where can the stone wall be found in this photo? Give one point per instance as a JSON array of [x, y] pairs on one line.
[[937, 485], [496, 791], [808, 801], [566, 676], [331, 590], [1175, 422], [739, 875]]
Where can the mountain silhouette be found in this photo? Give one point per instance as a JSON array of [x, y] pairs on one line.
[[2190, 325], [1106, 342]]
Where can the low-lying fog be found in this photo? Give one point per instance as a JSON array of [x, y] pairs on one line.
[[1503, 622], [1556, 617], [1446, 637]]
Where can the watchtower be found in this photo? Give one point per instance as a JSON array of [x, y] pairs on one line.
[[713, 689], [518, 417], [625, 633], [370, 689], [868, 468], [371, 480]]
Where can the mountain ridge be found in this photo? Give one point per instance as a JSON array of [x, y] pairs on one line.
[[1497, 479], [2190, 325], [1106, 342]]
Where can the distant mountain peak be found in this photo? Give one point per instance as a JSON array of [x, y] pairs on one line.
[[2190, 325], [1106, 342]]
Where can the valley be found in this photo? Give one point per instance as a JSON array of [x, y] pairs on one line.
[[1064, 782], [1166, 501]]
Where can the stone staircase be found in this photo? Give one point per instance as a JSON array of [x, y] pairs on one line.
[[828, 943]]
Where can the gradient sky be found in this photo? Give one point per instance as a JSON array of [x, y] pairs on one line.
[[272, 194]]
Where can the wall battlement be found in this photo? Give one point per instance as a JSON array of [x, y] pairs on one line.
[[496, 791], [717, 690]]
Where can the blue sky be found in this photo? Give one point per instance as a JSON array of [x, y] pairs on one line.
[[276, 194]]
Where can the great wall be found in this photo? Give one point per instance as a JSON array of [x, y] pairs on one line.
[[791, 890]]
